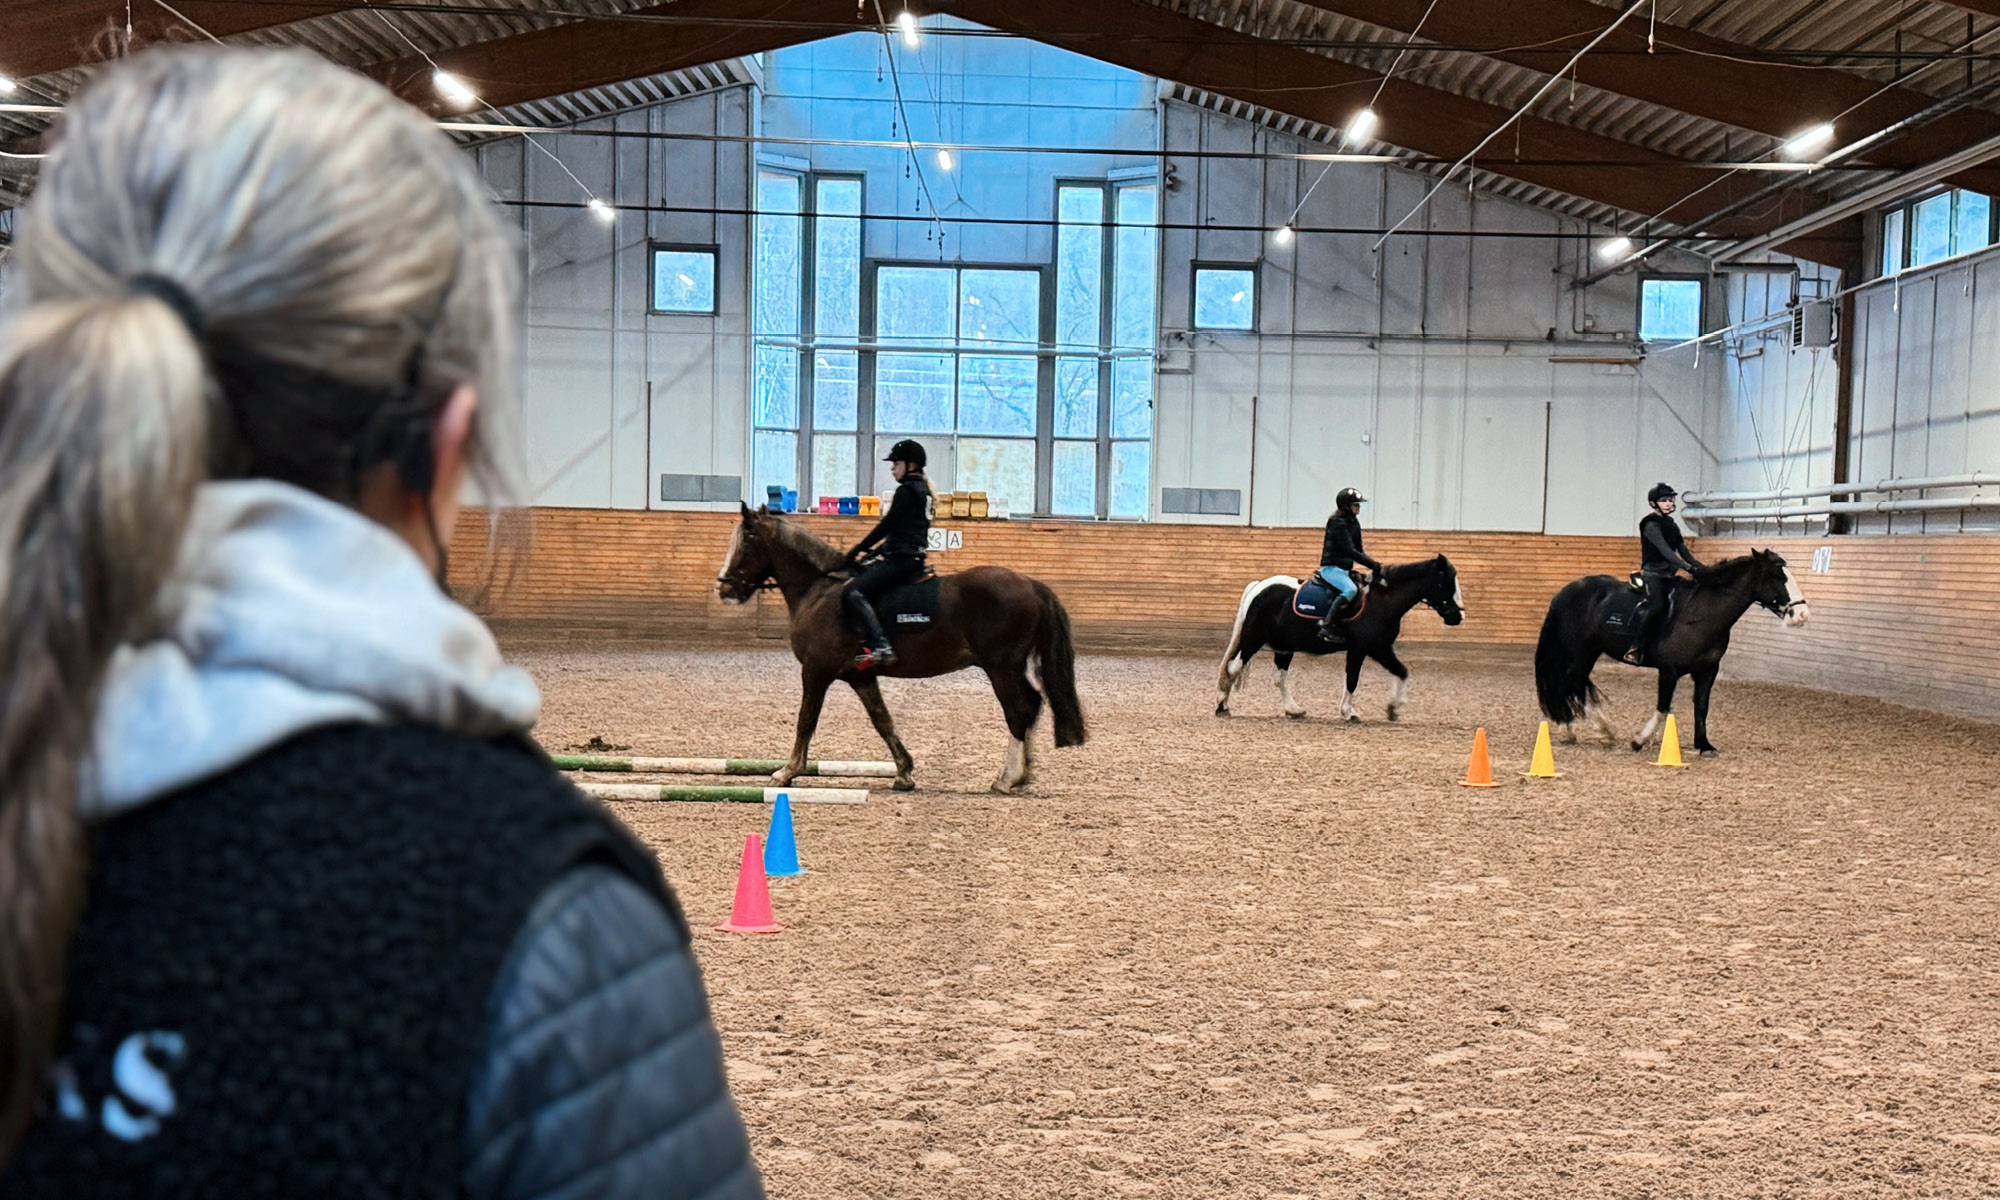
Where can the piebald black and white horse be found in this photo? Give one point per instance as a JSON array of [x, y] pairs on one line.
[[1265, 618], [1596, 616]]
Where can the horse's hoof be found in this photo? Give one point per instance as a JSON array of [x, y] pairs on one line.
[[1638, 747], [1392, 712], [1354, 720], [1220, 711], [1297, 716], [1709, 752], [904, 784]]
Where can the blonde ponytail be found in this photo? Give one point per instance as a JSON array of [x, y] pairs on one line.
[[321, 244], [103, 433]]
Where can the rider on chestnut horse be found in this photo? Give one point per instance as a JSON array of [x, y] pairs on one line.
[[904, 534]]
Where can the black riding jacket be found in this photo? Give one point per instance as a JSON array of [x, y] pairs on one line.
[[1664, 550], [1342, 547], [906, 527]]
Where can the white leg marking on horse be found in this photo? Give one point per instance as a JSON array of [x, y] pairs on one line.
[[1016, 769], [1398, 690], [1292, 707], [1347, 706], [1651, 727], [1603, 721], [1566, 734]]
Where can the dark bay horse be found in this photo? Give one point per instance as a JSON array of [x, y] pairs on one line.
[[988, 617], [1265, 618], [1595, 616]]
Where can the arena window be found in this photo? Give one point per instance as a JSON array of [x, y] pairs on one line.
[[1934, 228], [1225, 297], [1670, 308], [684, 280], [774, 409]]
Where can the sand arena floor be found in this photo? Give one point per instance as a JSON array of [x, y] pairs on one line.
[[1261, 957]]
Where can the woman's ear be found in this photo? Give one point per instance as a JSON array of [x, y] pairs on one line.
[[451, 434]]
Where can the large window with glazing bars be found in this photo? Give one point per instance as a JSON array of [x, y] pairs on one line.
[[1935, 228], [1031, 382]]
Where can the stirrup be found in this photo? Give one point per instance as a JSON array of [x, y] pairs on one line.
[[875, 658], [1635, 657]]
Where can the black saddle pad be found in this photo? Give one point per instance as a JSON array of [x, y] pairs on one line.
[[911, 608], [1623, 609]]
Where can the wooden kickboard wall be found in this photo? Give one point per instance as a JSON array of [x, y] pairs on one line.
[[597, 573], [1905, 618]]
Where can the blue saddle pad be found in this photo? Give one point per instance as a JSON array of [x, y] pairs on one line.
[[1314, 599]]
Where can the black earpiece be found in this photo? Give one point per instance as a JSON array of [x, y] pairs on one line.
[[410, 450]]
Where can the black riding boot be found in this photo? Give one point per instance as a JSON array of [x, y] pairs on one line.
[[862, 610], [1334, 612]]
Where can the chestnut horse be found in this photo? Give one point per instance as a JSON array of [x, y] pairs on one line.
[[988, 617]]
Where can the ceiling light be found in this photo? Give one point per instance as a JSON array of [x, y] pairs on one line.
[[6, 85], [1282, 235], [1617, 247], [1809, 141], [944, 159], [451, 88], [602, 211], [1361, 125], [907, 22]]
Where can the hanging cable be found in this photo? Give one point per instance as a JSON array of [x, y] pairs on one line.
[[1501, 128], [896, 82], [1357, 128]]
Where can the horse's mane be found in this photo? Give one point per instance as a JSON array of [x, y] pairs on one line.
[[817, 552], [1405, 572], [1725, 570]]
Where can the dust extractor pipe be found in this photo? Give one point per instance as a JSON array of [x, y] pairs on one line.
[[1921, 483], [720, 766], [1966, 504]]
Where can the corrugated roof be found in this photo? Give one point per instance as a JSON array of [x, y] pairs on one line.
[[1837, 27]]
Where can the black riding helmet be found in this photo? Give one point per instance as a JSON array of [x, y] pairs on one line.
[[1659, 492], [908, 450], [1349, 496]]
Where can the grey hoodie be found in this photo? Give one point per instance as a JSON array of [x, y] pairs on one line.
[[287, 612]]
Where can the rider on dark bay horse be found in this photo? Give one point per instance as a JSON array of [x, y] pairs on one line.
[[1665, 555], [904, 535], [1338, 554]]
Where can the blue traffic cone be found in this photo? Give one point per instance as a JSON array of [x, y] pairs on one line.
[[781, 850]]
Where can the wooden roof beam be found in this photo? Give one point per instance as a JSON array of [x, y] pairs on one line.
[[56, 35], [1687, 74], [595, 53]]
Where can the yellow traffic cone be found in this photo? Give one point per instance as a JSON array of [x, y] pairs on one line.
[[1670, 745], [1544, 764]]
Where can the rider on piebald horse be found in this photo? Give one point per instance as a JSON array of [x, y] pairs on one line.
[[1338, 554], [1665, 555], [904, 534]]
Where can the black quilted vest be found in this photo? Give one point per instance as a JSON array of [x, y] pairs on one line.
[[279, 987]]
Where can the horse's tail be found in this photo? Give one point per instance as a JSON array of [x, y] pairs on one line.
[[1563, 691], [1250, 593], [1057, 655]]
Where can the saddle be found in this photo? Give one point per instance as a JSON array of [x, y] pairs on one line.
[[1628, 615], [1314, 599], [911, 607]]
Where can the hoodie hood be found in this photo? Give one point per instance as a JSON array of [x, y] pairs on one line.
[[288, 612]]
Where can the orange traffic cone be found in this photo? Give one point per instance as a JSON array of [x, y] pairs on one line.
[[752, 912], [1670, 745], [1478, 772]]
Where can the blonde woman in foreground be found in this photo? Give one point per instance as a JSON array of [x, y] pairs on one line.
[[289, 904]]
